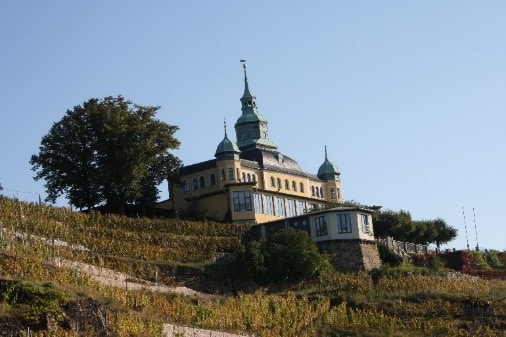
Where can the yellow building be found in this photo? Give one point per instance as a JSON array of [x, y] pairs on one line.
[[250, 181]]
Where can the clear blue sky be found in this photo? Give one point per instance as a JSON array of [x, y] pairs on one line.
[[408, 96]]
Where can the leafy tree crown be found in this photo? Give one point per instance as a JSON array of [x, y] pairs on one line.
[[106, 151]]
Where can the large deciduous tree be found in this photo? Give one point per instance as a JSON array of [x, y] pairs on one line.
[[107, 152]]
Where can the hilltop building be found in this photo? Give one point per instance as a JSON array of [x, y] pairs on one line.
[[250, 181]]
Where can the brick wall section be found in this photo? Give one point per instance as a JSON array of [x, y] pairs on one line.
[[352, 255]]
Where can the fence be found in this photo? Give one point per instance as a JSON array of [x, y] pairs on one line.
[[404, 248]]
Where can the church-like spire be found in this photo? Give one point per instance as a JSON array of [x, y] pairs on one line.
[[251, 128], [248, 100], [247, 92]]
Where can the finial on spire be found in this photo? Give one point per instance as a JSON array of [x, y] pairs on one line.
[[225, 125], [325, 152], [247, 92]]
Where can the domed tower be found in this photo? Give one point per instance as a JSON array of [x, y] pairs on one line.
[[251, 128], [227, 149], [329, 173], [227, 159]]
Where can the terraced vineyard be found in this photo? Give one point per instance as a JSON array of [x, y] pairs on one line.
[[35, 239]]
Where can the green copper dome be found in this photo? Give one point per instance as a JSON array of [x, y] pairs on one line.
[[249, 116], [327, 170], [226, 147]]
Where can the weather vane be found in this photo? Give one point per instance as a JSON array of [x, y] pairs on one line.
[[243, 63]]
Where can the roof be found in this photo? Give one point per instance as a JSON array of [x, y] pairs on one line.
[[197, 167], [250, 115], [275, 161], [327, 170], [226, 146]]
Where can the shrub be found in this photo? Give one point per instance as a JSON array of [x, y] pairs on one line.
[[389, 257], [31, 300], [493, 259], [288, 255]]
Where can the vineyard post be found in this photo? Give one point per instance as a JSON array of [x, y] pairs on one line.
[[13, 237], [58, 263], [1, 236]]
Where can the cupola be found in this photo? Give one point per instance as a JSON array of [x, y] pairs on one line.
[[227, 149], [327, 170]]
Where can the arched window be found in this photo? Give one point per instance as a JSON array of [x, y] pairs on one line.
[[202, 182], [287, 185], [294, 185], [243, 176], [195, 184], [317, 190], [212, 179], [279, 183], [222, 177], [184, 186], [249, 177], [321, 193], [301, 187], [273, 182], [312, 191], [230, 173], [254, 177]]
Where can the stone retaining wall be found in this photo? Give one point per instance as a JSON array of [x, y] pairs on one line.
[[170, 330], [352, 255]]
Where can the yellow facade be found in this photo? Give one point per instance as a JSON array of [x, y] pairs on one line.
[[214, 198]]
